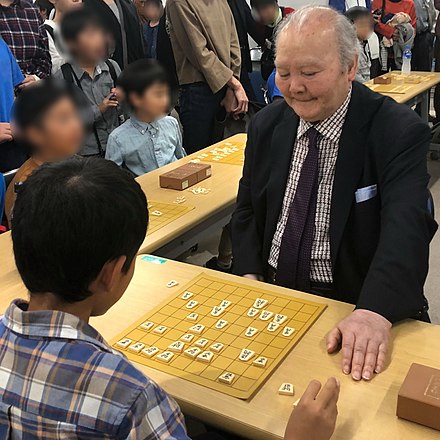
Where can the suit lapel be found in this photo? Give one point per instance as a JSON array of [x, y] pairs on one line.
[[283, 139], [349, 167]]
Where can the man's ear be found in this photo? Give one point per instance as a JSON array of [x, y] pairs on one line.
[[110, 273], [353, 69]]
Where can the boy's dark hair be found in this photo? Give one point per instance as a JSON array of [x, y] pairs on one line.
[[72, 217], [357, 12], [34, 102], [257, 4], [138, 76], [44, 5], [76, 21]]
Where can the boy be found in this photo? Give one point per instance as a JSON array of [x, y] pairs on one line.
[[93, 73], [149, 139], [151, 12], [270, 15], [362, 20], [11, 156], [56, 46], [59, 374], [48, 124]]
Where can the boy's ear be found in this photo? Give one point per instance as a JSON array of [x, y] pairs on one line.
[[110, 273], [134, 99]]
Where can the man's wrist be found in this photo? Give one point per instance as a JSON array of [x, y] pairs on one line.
[[233, 83]]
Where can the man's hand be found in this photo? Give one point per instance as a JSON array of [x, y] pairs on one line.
[[5, 132], [230, 103], [364, 337], [315, 416], [240, 96], [111, 101], [29, 80], [253, 276]]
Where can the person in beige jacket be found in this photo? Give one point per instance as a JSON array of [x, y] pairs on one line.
[[208, 61]]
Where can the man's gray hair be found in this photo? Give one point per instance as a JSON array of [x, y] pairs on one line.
[[347, 40]]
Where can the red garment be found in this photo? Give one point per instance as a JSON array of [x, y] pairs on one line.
[[287, 11], [406, 6]]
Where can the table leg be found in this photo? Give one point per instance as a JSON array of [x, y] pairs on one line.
[[424, 106]]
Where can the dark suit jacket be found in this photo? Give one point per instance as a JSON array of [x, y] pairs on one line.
[[245, 24], [379, 247], [132, 26]]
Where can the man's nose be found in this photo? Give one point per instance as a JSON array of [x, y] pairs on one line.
[[296, 84]]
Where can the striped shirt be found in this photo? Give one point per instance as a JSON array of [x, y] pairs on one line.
[[59, 379], [22, 28], [330, 131]]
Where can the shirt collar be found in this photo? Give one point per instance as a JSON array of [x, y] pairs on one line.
[[331, 127], [144, 127], [80, 72], [50, 324]]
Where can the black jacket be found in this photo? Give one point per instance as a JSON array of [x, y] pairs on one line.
[[245, 24], [379, 247], [132, 26]]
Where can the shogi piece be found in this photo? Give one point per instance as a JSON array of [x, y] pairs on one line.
[[286, 389], [227, 378], [382, 80], [185, 176], [412, 79], [419, 396]]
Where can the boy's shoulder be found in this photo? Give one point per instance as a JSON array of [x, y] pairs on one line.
[[169, 121], [125, 128]]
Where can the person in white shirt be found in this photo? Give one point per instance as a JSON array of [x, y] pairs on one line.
[[56, 50]]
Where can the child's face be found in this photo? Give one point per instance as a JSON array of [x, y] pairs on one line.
[[154, 102], [364, 28], [90, 45], [60, 134]]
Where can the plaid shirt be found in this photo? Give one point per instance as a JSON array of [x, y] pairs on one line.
[[21, 26], [60, 380], [330, 131]]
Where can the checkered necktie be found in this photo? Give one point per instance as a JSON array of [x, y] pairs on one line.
[[293, 269]]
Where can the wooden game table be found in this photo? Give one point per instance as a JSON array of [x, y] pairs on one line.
[[211, 211], [366, 410], [416, 93]]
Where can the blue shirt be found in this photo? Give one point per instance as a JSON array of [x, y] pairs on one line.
[[60, 379], [10, 77], [272, 89], [143, 147]]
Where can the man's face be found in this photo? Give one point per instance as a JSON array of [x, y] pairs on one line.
[[267, 14], [309, 72], [67, 5]]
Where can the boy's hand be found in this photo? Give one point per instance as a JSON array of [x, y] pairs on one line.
[[315, 416], [29, 80], [111, 101], [5, 132]]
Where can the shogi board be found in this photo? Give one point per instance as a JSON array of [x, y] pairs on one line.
[[209, 292], [229, 152], [399, 89], [170, 212]]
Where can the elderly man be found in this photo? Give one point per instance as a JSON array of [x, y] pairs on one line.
[[333, 198]]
